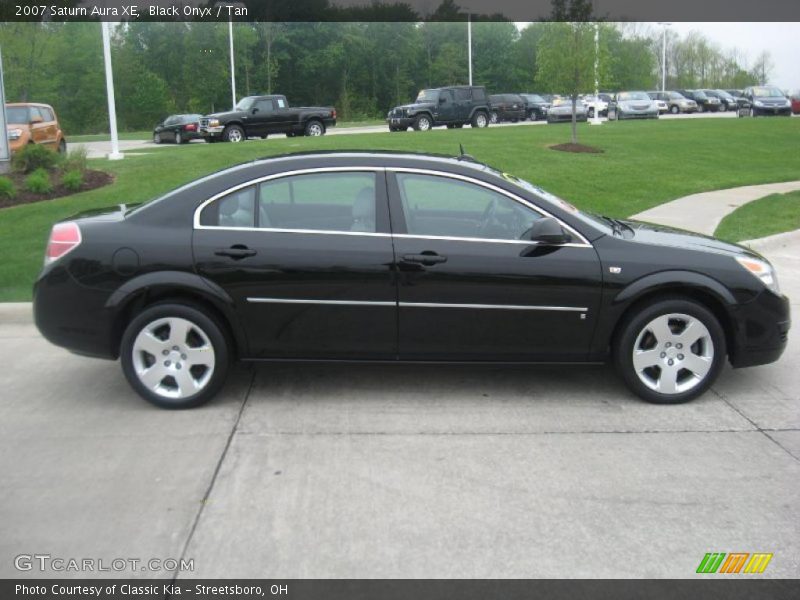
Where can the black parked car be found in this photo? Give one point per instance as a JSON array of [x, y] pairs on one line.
[[397, 257], [704, 103], [727, 101], [259, 116], [767, 101], [178, 128], [507, 107], [451, 106], [536, 106]]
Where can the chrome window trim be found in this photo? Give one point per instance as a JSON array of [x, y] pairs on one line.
[[257, 180], [261, 300], [584, 243]]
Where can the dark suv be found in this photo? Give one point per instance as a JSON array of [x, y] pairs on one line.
[[451, 106], [507, 107]]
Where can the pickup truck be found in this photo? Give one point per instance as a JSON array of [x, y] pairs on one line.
[[259, 116]]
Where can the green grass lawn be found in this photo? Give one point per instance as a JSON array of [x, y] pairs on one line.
[[644, 164], [766, 216]]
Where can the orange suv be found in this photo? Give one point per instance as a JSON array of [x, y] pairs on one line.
[[30, 123]]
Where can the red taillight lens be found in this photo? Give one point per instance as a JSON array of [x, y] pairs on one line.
[[191, 127], [333, 114], [63, 238]]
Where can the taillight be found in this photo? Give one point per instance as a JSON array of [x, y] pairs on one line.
[[191, 127], [63, 238], [333, 113]]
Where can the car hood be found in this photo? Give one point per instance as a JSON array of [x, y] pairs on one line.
[[222, 115], [417, 105], [661, 235]]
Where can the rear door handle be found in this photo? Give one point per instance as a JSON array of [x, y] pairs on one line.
[[236, 252], [426, 258]]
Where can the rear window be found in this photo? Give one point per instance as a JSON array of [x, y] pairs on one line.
[[17, 114]]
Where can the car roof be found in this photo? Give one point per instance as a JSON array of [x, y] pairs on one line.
[[28, 104]]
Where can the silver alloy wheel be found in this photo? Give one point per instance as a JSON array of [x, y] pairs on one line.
[[314, 129], [480, 120], [673, 353], [178, 138], [235, 135], [424, 124], [494, 117], [173, 357]]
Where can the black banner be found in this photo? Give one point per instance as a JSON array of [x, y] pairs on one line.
[[399, 10], [715, 587]]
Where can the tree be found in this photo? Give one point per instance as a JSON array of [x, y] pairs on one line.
[[566, 59]]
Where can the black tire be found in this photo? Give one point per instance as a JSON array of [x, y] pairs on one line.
[[674, 109], [494, 118], [533, 115], [233, 133], [699, 107], [480, 119], [458, 125], [62, 147], [314, 128], [209, 326], [156, 138], [635, 324], [423, 123], [590, 112]]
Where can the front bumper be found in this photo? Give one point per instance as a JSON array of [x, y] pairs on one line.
[[772, 111], [400, 121], [211, 131], [761, 330]]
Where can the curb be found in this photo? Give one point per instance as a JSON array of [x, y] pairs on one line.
[[16, 313], [775, 243]]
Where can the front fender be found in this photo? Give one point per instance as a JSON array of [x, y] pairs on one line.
[[181, 283], [671, 279]]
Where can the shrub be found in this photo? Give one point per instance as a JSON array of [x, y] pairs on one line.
[[34, 156], [76, 160], [72, 180], [7, 189], [38, 182]]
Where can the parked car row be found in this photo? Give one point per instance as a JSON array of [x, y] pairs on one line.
[[253, 116], [456, 106]]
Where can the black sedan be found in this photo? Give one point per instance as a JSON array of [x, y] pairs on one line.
[[507, 107], [397, 257], [178, 129], [536, 106]]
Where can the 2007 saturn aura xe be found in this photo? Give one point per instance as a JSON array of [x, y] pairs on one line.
[[369, 256]]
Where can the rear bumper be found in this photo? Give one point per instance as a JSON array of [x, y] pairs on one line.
[[761, 330]]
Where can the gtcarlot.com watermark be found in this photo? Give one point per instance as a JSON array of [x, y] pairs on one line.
[[58, 564]]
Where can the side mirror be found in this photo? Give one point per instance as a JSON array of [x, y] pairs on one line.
[[548, 230], [254, 111], [442, 100]]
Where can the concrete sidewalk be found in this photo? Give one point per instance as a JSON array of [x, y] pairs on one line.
[[703, 212]]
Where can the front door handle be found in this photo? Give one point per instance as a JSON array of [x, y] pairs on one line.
[[425, 258], [235, 252]]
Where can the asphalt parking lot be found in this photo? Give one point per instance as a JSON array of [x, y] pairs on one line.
[[398, 471]]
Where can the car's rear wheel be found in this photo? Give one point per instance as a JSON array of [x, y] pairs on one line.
[[674, 109], [480, 120], [422, 123], [233, 133], [670, 351], [174, 355], [62, 147], [156, 138], [178, 137], [315, 128], [494, 118]]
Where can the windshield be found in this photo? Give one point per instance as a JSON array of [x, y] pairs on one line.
[[533, 98], [428, 96], [767, 92], [724, 94], [700, 96], [245, 103], [675, 96], [17, 114], [633, 96]]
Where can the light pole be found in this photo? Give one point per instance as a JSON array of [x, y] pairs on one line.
[[664, 58], [469, 45], [596, 112], [5, 154], [231, 6], [112, 105]]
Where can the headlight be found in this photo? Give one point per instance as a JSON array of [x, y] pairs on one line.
[[762, 270], [758, 103], [213, 122], [14, 134]]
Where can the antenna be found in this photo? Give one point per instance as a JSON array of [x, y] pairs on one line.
[[465, 156], [461, 147]]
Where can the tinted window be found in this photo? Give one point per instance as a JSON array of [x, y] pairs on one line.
[[234, 210], [34, 110], [171, 120], [319, 201], [264, 106], [478, 95], [17, 114], [47, 114], [441, 206], [446, 96], [462, 94]]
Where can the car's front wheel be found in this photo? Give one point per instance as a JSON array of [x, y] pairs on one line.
[[674, 109], [233, 133], [670, 351], [174, 355], [422, 123]]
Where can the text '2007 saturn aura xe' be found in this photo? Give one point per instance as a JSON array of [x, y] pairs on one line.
[[378, 256]]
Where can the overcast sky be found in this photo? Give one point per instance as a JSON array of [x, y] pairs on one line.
[[781, 40]]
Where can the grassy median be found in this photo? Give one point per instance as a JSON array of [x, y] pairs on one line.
[[643, 164], [772, 214]]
